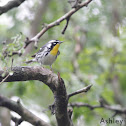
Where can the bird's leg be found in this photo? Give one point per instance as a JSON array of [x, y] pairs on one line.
[[51, 68], [42, 65]]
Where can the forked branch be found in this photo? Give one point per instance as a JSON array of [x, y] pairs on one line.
[[57, 22], [22, 111]]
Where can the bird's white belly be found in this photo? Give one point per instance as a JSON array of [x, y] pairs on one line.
[[48, 60]]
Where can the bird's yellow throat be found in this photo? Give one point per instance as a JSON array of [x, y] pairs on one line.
[[55, 49]]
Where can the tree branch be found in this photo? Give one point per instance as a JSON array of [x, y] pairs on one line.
[[57, 22], [23, 112], [60, 104], [10, 5], [26, 73], [108, 107], [54, 82], [85, 89]]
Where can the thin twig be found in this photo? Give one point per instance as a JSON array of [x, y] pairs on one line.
[[79, 104], [19, 53], [85, 89], [8, 73], [12, 63], [4, 79], [67, 22], [108, 107]]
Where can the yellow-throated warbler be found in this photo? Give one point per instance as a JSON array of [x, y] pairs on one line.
[[47, 53]]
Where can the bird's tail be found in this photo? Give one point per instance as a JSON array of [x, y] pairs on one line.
[[30, 61]]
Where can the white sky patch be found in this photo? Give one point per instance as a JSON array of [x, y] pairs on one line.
[[98, 2], [103, 20], [24, 10], [95, 11], [103, 62], [6, 20], [4, 2], [113, 42]]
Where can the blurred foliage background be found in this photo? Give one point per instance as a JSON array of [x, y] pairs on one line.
[[93, 53]]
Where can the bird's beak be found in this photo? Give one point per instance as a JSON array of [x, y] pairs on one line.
[[61, 42]]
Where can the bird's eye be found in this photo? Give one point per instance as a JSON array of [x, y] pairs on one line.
[[54, 43]]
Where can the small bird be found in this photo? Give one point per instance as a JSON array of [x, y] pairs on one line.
[[47, 53]]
